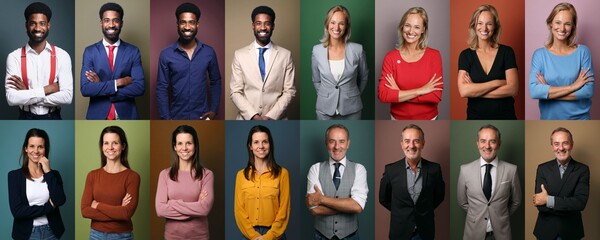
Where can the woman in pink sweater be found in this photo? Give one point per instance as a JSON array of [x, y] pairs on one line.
[[411, 75], [184, 195]]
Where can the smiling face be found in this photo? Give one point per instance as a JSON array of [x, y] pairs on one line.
[[111, 24], [187, 26], [260, 145], [112, 147], [263, 28], [337, 26], [412, 144], [488, 144], [37, 27], [413, 29], [562, 25], [337, 143], [485, 26], [35, 149], [562, 146], [184, 146]]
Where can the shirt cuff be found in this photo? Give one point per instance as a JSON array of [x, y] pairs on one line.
[[550, 202], [116, 85]]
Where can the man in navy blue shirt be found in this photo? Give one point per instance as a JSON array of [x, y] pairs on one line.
[[182, 90]]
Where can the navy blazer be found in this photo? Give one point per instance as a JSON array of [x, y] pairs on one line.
[[24, 214], [570, 193], [127, 63], [405, 214]]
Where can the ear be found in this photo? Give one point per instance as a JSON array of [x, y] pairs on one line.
[[348, 144], [49, 25]]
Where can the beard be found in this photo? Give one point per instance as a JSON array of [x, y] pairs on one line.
[[111, 37], [263, 40], [35, 39], [187, 38]]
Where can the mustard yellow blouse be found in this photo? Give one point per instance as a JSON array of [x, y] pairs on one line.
[[264, 201]]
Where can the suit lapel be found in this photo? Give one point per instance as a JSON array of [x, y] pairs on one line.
[[273, 55], [103, 64], [348, 59], [568, 172], [323, 57], [120, 56], [499, 178], [254, 63], [424, 177]]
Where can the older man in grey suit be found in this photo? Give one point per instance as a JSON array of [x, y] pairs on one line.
[[488, 190], [339, 69]]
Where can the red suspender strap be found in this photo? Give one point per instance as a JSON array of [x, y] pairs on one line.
[[24, 66], [52, 65]]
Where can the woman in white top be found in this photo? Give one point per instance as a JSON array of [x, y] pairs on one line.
[[35, 191], [339, 69]]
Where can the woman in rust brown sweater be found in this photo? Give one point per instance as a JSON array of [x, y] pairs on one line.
[[110, 196]]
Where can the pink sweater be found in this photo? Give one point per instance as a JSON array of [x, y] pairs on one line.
[[186, 216]]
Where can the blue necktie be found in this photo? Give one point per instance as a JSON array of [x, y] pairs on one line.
[[261, 62], [336, 175]]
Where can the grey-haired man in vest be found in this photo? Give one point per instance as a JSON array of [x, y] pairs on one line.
[[336, 189]]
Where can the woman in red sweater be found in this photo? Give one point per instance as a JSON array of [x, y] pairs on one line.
[[110, 196], [411, 75]]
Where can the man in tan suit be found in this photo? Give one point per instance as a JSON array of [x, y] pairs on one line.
[[488, 190], [262, 80]]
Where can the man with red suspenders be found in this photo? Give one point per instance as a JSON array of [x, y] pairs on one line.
[[38, 75]]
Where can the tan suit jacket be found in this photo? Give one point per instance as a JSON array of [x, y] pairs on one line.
[[250, 94], [505, 200]]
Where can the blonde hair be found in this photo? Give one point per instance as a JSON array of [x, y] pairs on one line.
[[338, 8], [423, 39], [562, 7], [473, 41]]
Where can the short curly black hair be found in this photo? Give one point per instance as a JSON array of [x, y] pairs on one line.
[[111, 7], [38, 7], [188, 7], [263, 9]]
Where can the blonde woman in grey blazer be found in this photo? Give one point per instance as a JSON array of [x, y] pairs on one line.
[[339, 69]]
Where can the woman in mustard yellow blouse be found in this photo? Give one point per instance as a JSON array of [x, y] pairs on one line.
[[262, 190]]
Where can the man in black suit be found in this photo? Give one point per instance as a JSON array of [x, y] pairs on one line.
[[411, 189], [562, 187]]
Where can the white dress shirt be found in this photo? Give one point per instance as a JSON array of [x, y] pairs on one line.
[[266, 54], [34, 99], [359, 189]]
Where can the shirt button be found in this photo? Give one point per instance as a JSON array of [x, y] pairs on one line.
[[336, 87], [335, 222], [335, 231]]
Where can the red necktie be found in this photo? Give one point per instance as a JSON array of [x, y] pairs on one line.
[[111, 56]]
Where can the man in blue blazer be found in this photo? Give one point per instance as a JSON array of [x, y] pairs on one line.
[[112, 74], [562, 187]]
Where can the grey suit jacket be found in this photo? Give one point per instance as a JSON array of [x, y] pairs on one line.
[[250, 94], [505, 200], [343, 95]]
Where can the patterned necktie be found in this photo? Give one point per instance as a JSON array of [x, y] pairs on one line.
[[261, 62], [487, 181], [111, 56], [336, 175]]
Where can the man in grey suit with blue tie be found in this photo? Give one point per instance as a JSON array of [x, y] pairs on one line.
[[488, 190], [336, 189]]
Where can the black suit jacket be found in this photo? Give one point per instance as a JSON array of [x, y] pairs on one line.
[[570, 197], [405, 215]]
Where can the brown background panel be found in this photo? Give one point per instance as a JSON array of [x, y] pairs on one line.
[[389, 150], [211, 135], [512, 17], [585, 150]]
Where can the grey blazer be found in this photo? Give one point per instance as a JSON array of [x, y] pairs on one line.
[[345, 94], [505, 200]]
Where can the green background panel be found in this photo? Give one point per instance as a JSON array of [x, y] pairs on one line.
[[463, 145], [312, 17], [87, 155]]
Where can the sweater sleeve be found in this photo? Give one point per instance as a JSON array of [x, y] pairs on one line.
[[55, 187], [537, 90], [435, 96], [587, 91], [87, 211], [384, 93], [282, 218], [163, 208], [198, 208], [132, 186]]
